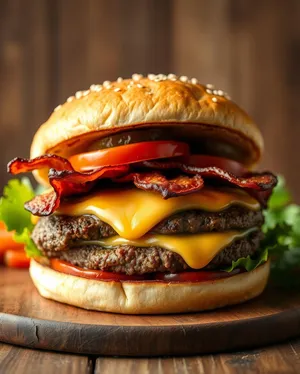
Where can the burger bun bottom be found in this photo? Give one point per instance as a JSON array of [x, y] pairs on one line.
[[148, 297]]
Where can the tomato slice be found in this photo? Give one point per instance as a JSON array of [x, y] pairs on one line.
[[65, 267], [188, 276], [128, 154], [195, 276], [231, 166], [16, 259]]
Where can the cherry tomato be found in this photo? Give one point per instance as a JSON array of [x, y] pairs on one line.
[[65, 267], [16, 259], [231, 166], [128, 154], [195, 276]]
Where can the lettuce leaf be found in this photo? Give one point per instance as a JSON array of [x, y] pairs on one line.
[[12, 211], [282, 237], [249, 263], [30, 248], [15, 217]]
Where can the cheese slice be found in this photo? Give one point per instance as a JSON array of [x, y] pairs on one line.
[[196, 250], [133, 212]]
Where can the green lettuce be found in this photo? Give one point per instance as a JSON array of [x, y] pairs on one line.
[[282, 239], [15, 217], [282, 236], [249, 263]]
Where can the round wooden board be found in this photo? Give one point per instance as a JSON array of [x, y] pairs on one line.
[[29, 320]]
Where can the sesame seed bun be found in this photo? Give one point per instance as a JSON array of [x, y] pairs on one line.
[[194, 110], [148, 297]]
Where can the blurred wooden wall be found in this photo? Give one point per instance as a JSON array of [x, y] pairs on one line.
[[250, 48]]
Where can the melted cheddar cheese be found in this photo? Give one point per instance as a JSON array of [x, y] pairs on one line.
[[134, 212], [196, 250]]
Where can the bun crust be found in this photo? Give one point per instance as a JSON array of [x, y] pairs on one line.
[[142, 102], [148, 297]]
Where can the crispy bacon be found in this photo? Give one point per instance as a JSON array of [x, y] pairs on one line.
[[257, 181], [23, 165], [64, 180], [68, 182], [157, 182]]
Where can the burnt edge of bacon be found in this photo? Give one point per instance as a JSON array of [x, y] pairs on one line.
[[68, 182], [167, 188]]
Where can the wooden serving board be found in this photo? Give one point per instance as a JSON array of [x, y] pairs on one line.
[[29, 320]]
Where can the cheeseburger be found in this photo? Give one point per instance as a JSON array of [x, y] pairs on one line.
[[152, 202]]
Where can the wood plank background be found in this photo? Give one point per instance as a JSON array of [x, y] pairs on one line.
[[51, 48], [279, 359]]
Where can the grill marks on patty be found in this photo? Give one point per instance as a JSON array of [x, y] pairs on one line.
[[58, 233], [132, 260]]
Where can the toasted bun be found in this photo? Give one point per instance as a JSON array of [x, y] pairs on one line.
[[195, 110], [148, 297]]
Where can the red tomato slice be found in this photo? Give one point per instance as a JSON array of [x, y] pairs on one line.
[[231, 166], [195, 276], [128, 154], [16, 259], [192, 276], [65, 267]]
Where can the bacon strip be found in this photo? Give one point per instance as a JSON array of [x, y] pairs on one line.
[[156, 182], [24, 165], [68, 182], [64, 180], [257, 181]]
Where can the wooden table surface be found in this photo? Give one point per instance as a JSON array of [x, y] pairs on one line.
[[283, 358]]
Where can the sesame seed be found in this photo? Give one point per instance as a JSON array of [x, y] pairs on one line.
[[194, 80], [162, 77], [220, 92], [95, 87], [140, 85], [172, 77], [184, 78], [106, 84], [58, 107], [69, 99], [117, 89], [214, 99], [215, 92], [137, 77], [85, 93], [210, 86], [78, 94], [120, 79], [209, 91], [151, 76]]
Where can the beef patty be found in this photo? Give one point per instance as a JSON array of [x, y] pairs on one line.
[[58, 233], [63, 237], [132, 260]]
